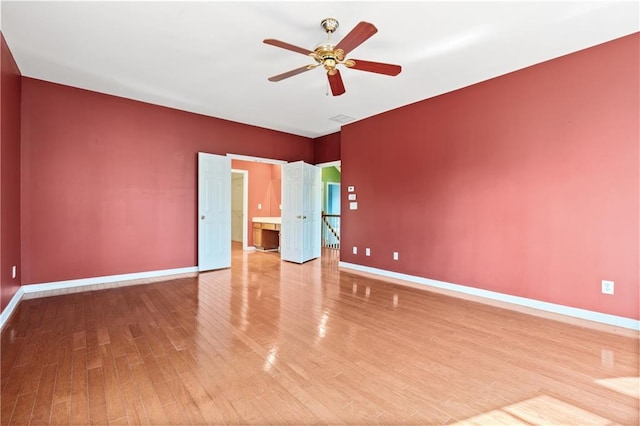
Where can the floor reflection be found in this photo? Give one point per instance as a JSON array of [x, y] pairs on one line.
[[272, 342]]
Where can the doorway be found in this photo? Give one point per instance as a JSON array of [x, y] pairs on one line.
[[239, 206], [215, 185], [331, 197], [261, 193]]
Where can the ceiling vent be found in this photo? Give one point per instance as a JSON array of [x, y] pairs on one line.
[[342, 119]]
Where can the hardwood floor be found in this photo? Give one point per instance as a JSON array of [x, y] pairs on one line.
[[270, 342]]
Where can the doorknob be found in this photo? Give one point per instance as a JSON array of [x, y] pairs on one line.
[[304, 217], [298, 217], [202, 217]]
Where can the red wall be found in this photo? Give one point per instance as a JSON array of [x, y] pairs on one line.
[[526, 184], [326, 148], [264, 187], [109, 184], [10, 87]]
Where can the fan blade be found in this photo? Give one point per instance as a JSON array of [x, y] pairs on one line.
[[335, 81], [377, 67], [358, 35], [291, 73], [282, 44]]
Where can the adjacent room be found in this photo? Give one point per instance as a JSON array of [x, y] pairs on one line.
[[320, 212]]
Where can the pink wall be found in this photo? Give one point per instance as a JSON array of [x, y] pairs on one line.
[[275, 193], [326, 148], [10, 87], [109, 184], [526, 184], [264, 188]]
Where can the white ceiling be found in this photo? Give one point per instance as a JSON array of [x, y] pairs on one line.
[[208, 57]]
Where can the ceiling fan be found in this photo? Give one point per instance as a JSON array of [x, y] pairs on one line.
[[330, 55]]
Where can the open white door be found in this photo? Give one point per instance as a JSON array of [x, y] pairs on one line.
[[214, 212], [301, 212]]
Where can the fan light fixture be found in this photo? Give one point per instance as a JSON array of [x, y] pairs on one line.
[[325, 53], [329, 55]]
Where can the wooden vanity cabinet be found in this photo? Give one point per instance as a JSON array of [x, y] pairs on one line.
[[266, 236]]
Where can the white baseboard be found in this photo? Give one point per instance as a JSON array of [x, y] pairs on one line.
[[612, 320], [32, 291], [11, 306]]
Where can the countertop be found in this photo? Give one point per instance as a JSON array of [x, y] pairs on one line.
[[267, 219]]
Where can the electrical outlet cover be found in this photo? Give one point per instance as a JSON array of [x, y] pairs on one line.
[[608, 287]]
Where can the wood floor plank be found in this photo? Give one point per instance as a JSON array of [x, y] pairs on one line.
[[97, 399], [79, 340], [79, 404], [202, 399], [60, 413], [62, 388], [8, 362], [157, 381], [136, 414], [271, 342], [174, 414], [149, 394], [26, 353], [290, 408], [103, 336], [94, 359], [113, 393], [44, 398], [190, 409], [10, 392], [31, 381], [23, 409]]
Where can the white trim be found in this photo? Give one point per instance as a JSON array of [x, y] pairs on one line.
[[255, 159], [82, 282], [8, 310], [31, 291], [329, 164], [515, 300]]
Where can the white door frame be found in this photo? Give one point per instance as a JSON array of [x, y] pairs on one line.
[[255, 159], [329, 164], [245, 203], [245, 207]]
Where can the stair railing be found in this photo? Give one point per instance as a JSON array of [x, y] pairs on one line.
[[331, 230]]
